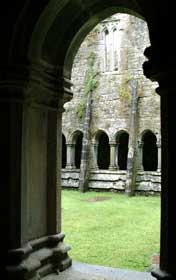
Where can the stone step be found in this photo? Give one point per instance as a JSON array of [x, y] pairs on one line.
[[80, 271]]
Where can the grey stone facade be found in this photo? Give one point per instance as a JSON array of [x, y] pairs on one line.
[[118, 44]]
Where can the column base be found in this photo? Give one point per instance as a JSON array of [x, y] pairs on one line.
[[95, 168], [162, 275], [113, 168], [38, 258], [140, 169], [129, 193], [70, 167]]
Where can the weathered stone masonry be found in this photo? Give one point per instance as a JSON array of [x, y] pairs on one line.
[[118, 44]]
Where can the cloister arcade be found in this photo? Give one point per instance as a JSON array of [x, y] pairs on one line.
[[105, 152]]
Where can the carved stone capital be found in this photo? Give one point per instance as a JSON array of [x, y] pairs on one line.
[[112, 143], [158, 143], [46, 86], [94, 142], [35, 84], [162, 275], [70, 144], [140, 144], [13, 82], [160, 67]]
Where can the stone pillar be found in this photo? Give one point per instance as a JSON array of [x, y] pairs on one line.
[[95, 155], [112, 165], [140, 155], [31, 183], [70, 156], [133, 127], [159, 155], [161, 67], [11, 115]]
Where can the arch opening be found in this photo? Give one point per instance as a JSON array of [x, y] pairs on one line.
[[64, 151], [103, 151], [77, 141], [109, 149], [150, 152], [123, 150]]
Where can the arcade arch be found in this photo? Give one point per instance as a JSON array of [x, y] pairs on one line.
[[38, 71]]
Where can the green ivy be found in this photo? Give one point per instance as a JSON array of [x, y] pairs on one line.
[[90, 84], [81, 109]]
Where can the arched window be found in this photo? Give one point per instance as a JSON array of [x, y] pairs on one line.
[[103, 151], [110, 49], [77, 140], [115, 50], [122, 140], [64, 152], [150, 151], [107, 54]]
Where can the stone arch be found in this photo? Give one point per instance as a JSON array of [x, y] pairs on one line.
[[64, 151], [74, 136], [86, 28], [122, 138], [118, 134], [54, 61], [150, 151], [47, 23], [103, 149], [51, 64], [98, 133]]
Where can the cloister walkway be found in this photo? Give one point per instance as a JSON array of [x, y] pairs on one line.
[[80, 271]]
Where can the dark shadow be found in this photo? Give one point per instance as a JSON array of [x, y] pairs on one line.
[[103, 151], [78, 148], [150, 152], [123, 151], [64, 152]]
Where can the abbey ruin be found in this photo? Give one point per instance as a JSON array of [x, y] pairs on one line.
[[111, 128]]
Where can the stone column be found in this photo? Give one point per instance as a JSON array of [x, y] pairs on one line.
[[133, 127], [159, 155], [32, 138], [11, 125], [140, 155], [95, 155], [112, 165], [161, 67], [70, 156]]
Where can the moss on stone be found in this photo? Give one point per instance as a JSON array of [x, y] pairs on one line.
[[90, 84], [124, 89]]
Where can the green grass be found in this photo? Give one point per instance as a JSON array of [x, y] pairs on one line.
[[118, 232]]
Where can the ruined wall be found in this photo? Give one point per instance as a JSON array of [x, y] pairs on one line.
[[118, 44]]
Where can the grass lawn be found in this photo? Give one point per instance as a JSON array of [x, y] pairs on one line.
[[111, 230]]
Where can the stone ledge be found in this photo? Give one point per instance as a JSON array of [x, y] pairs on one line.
[[80, 271]]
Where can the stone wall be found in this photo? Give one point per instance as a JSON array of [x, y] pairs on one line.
[[118, 44]]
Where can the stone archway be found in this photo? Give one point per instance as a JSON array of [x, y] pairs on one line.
[[39, 75]]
